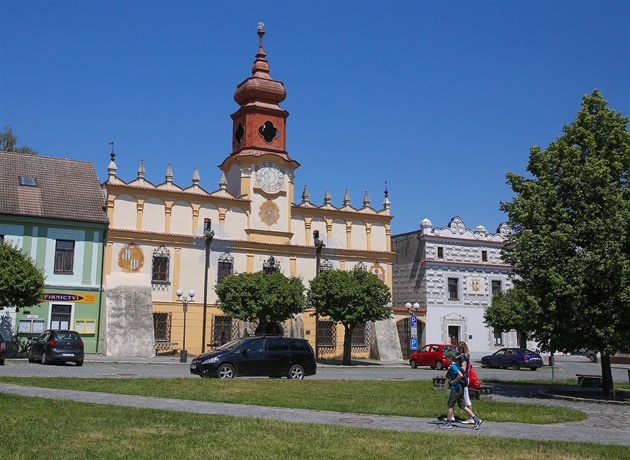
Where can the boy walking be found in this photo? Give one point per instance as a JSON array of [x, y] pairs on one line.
[[456, 394]]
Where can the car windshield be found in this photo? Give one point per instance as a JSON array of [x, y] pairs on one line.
[[229, 345]]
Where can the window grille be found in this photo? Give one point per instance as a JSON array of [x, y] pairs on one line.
[[361, 338], [271, 265], [162, 326], [224, 329], [360, 266], [326, 265], [160, 268], [326, 337], [496, 286], [453, 289], [226, 267]]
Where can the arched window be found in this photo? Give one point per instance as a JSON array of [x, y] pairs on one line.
[[226, 267]]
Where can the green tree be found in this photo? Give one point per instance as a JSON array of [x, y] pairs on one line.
[[512, 310], [571, 241], [21, 282], [268, 298], [350, 298], [8, 141]]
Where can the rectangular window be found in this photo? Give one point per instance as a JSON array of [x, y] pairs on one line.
[[440, 252], [484, 256], [162, 326], [453, 288], [60, 317], [28, 181], [222, 330], [225, 267], [360, 337], [64, 256], [159, 272], [496, 286], [85, 326], [498, 338], [326, 333]]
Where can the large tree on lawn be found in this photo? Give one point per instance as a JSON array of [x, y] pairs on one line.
[[571, 241], [267, 298], [350, 298], [21, 282]]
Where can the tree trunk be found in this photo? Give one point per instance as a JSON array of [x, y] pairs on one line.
[[607, 380], [522, 339], [347, 345]]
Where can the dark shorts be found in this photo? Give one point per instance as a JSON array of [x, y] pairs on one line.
[[456, 397]]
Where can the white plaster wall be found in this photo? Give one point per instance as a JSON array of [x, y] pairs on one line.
[[319, 224], [299, 231], [125, 212], [359, 237], [153, 217], [379, 237], [181, 218], [338, 237], [236, 224]]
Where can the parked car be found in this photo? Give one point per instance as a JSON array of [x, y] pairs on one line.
[[432, 355], [514, 358], [3, 349], [258, 356], [57, 346], [590, 354]]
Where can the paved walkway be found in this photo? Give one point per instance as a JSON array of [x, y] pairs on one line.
[[606, 424]]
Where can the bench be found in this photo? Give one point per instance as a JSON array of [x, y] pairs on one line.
[[591, 381], [164, 347], [484, 389]]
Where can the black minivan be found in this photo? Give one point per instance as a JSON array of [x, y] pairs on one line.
[[261, 356]]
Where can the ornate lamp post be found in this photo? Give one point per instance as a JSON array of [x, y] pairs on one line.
[[209, 234], [183, 357], [319, 245], [413, 325]]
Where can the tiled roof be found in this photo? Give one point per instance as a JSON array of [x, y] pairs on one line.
[[66, 189]]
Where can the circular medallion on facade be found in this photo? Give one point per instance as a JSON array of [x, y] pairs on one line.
[[269, 212], [269, 177], [130, 258]]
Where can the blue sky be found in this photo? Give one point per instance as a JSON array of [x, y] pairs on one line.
[[438, 98]]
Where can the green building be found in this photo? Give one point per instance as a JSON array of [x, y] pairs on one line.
[[53, 210]]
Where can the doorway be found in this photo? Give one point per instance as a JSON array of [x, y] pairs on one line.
[[454, 334]]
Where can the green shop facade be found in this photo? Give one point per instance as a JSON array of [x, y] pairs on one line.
[[62, 228]]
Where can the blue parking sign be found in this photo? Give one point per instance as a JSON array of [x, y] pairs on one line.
[[413, 343], [414, 321]]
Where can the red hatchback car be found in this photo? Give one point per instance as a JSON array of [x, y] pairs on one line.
[[432, 355]]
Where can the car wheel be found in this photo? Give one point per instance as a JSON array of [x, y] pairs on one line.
[[593, 357], [225, 371], [516, 366], [2, 362], [413, 364], [485, 363], [296, 372], [533, 368], [30, 357], [439, 366], [80, 363], [45, 359]]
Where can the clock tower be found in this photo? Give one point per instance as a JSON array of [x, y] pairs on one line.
[[259, 167]]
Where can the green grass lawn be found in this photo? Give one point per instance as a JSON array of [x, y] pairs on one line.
[[368, 396], [35, 428]]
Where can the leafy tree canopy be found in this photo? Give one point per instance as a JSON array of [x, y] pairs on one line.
[[8, 141], [510, 310], [350, 298], [571, 240], [263, 297], [21, 282]]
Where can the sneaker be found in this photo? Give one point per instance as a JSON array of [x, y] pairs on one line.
[[469, 421], [444, 419], [478, 423], [447, 425]]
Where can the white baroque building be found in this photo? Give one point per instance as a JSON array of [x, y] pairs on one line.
[[453, 272]]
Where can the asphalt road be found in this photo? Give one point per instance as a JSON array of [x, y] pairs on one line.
[[566, 367]]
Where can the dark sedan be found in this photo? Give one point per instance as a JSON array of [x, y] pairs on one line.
[[57, 346], [514, 358], [3, 349]]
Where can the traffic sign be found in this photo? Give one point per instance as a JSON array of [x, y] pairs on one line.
[[413, 343], [414, 321]]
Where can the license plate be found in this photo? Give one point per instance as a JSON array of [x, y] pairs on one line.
[[193, 366], [67, 354]]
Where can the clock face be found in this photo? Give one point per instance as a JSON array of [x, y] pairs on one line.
[[269, 177]]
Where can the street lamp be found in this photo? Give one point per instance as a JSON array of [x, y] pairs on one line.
[[183, 357], [209, 234], [413, 325], [319, 245]]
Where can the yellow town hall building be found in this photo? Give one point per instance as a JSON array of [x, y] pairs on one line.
[[156, 242]]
